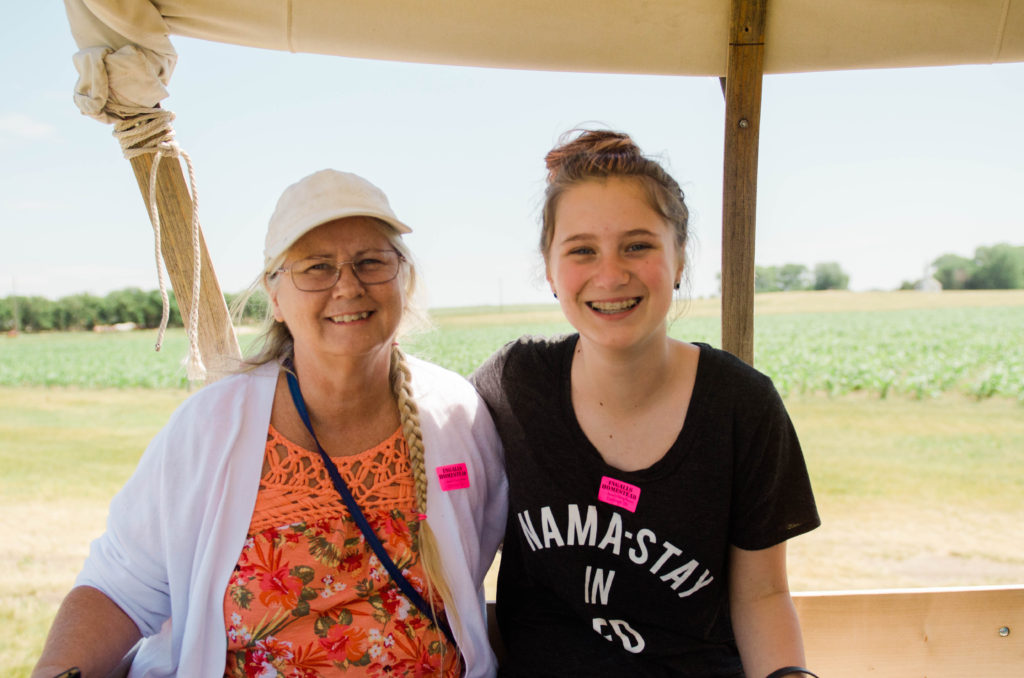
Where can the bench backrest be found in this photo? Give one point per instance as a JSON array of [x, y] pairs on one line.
[[915, 633]]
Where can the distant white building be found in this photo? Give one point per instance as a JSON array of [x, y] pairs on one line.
[[928, 282]]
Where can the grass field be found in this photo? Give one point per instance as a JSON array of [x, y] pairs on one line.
[[919, 483]]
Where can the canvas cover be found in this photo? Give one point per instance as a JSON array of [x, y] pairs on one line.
[[126, 55]]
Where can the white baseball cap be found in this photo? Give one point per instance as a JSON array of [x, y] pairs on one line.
[[319, 198]]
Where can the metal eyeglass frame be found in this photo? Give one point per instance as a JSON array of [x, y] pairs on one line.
[[339, 265]]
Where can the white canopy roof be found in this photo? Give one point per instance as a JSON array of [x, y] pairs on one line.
[[681, 37]]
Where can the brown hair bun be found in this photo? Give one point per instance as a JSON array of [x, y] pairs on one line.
[[602, 152]]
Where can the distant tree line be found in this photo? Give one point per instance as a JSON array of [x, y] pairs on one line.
[[793, 277], [86, 311], [999, 267]]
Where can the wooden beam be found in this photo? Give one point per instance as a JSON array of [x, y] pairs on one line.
[[217, 340], [939, 633], [739, 185]]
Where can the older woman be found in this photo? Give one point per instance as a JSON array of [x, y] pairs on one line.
[[331, 510]]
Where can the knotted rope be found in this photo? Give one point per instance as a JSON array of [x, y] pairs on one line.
[[148, 130]]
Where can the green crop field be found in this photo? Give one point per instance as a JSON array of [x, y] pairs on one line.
[[890, 349], [910, 409]]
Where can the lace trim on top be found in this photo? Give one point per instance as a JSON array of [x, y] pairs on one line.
[[308, 597], [295, 486]]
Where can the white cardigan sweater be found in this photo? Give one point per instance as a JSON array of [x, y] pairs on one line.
[[176, 529]]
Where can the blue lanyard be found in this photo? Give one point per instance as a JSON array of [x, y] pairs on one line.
[[357, 515]]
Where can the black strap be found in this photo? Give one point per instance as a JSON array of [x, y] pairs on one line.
[[357, 515], [789, 670]]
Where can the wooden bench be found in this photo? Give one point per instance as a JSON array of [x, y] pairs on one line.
[[910, 633], [913, 633]]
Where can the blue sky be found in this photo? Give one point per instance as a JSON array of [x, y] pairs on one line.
[[882, 171]]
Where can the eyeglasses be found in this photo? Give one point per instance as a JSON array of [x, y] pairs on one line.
[[372, 267]]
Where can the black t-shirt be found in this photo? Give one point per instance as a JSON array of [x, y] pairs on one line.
[[606, 571]]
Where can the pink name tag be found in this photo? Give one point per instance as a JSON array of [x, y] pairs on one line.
[[453, 477], [618, 493]]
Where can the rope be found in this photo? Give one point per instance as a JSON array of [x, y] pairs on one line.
[[148, 130]]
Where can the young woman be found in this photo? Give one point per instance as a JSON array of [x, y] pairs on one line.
[[231, 549], [653, 483]]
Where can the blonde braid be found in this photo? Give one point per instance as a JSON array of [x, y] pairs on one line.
[[430, 554]]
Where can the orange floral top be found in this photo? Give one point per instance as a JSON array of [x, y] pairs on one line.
[[308, 596]]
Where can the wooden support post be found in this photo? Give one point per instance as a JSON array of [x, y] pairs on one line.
[[217, 340], [739, 186]]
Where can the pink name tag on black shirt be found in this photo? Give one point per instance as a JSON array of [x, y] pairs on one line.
[[619, 493]]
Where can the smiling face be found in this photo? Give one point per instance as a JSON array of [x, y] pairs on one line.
[[613, 262], [350, 318]]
